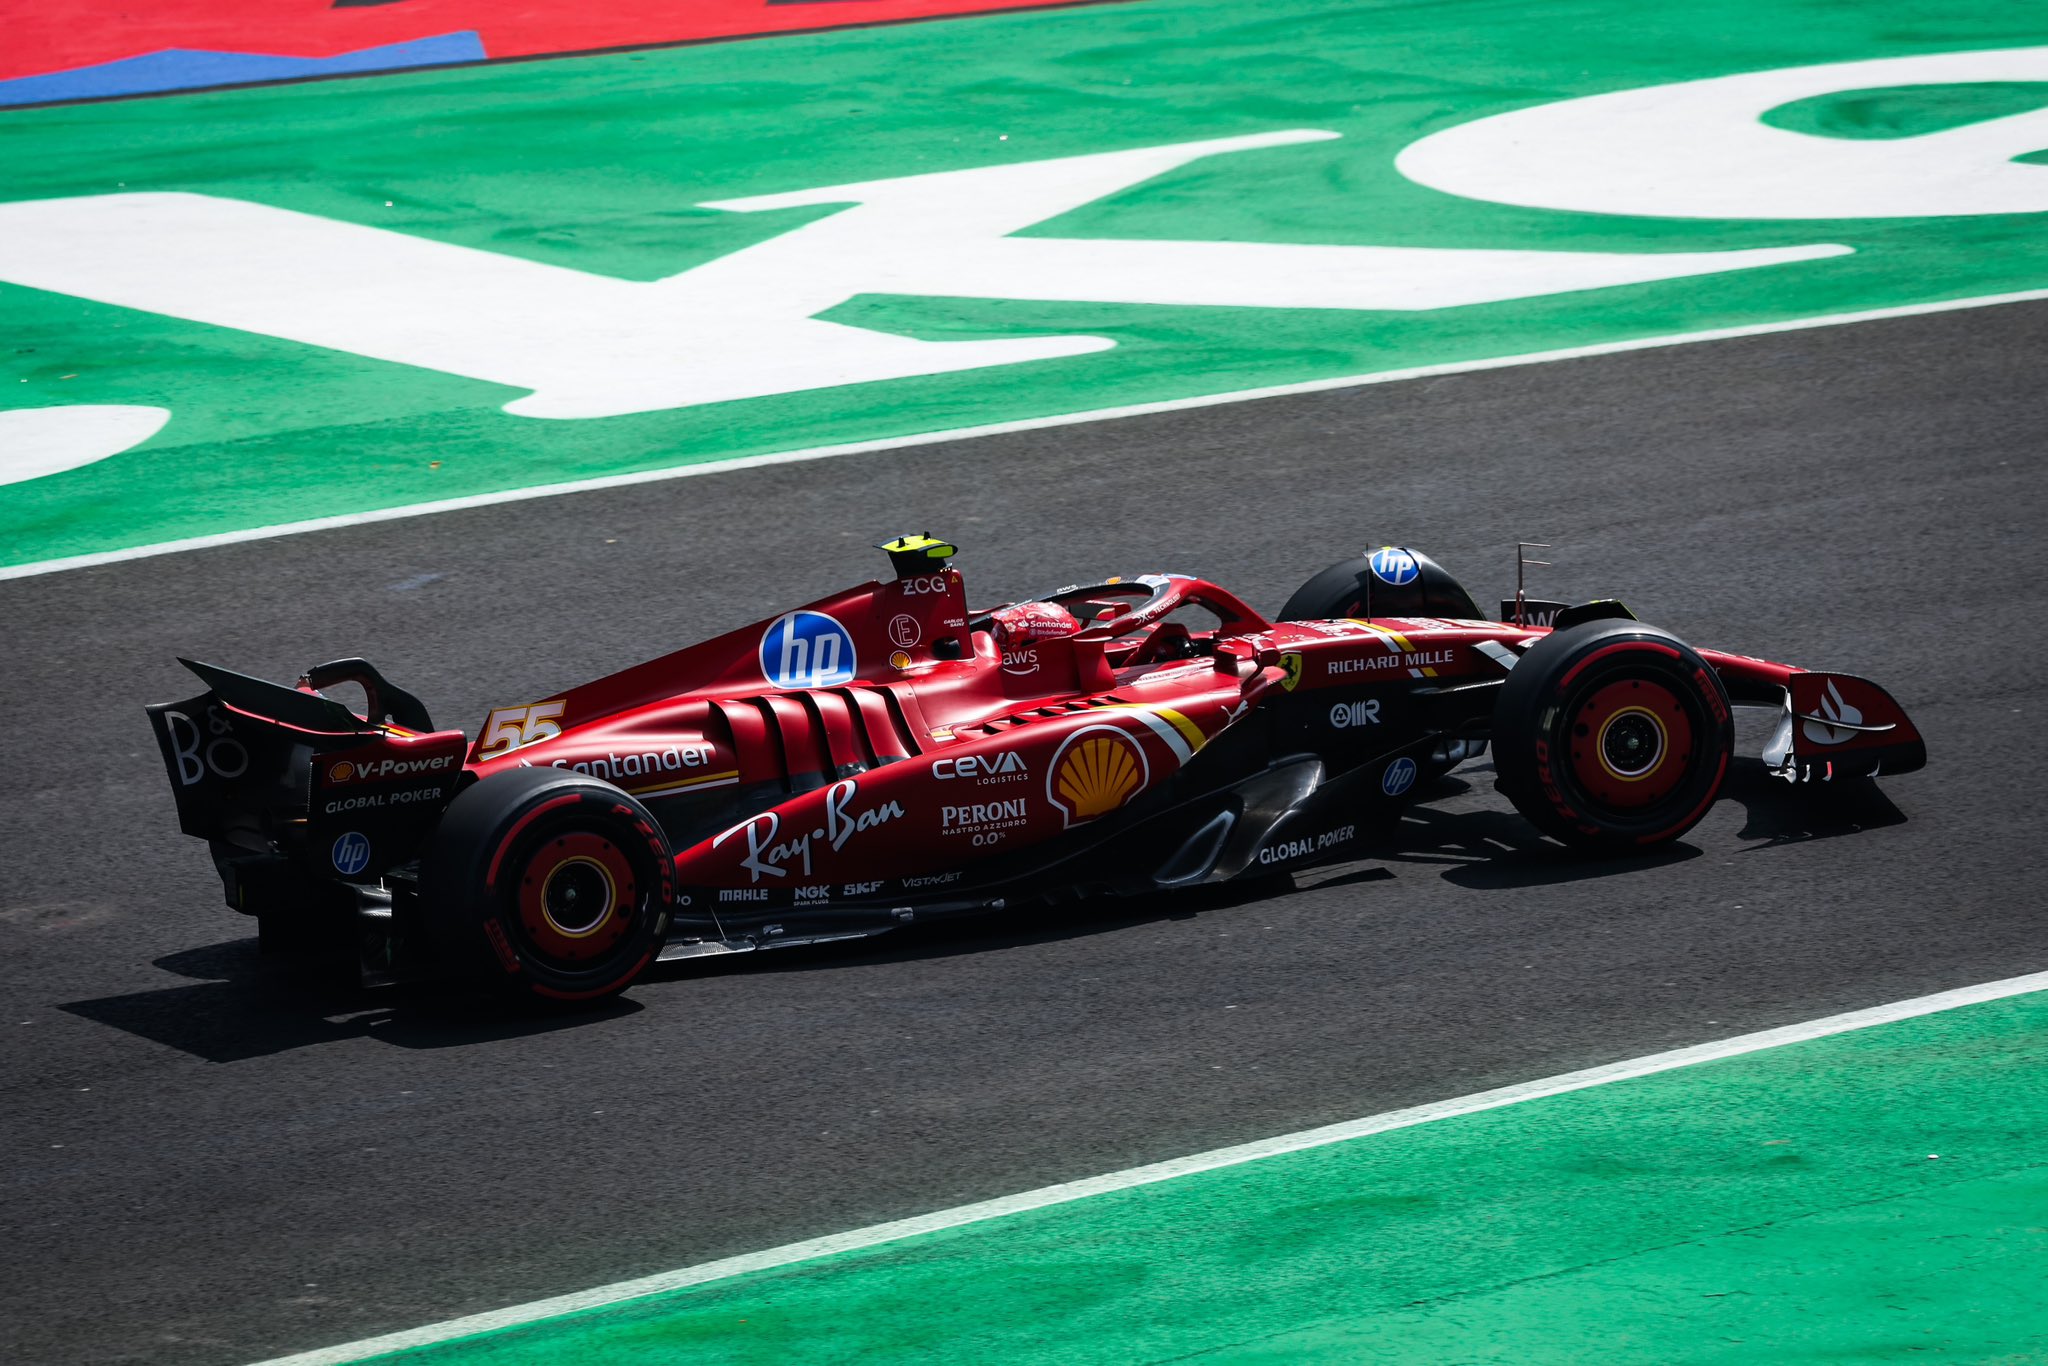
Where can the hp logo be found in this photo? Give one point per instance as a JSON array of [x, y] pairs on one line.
[[807, 650], [351, 854], [1393, 565], [1399, 777]]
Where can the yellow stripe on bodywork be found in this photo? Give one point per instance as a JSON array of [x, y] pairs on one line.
[[1186, 727], [1182, 736], [1395, 638], [701, 780]]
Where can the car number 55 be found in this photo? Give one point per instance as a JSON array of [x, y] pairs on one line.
[[510, 728]]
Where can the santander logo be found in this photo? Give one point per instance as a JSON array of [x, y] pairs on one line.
[[1835, 708]]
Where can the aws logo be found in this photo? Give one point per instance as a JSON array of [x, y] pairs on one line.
[[1097, 770]]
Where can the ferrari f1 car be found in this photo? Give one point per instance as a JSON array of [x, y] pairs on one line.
[[888, 754]]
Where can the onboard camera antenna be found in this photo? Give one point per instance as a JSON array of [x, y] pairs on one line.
[[1522, 564]]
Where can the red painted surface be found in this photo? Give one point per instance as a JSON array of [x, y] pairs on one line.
[[1014, 745], [65, 35]]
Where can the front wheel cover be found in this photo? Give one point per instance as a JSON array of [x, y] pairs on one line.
[[553, 887], [1613, 736]]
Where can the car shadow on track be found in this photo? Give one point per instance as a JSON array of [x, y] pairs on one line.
[[1496, 849], [1781, 813], [992, 931], [247, 1004]]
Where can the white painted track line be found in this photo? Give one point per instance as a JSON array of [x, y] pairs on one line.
[[878, 1234], [613, 481]]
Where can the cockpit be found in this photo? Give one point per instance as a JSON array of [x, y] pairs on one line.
[[1147, 619]]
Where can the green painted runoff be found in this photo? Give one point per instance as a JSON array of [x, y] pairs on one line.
[[600, 164], [1874, 1196]]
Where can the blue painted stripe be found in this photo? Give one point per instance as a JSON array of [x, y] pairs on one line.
[[193, 69]]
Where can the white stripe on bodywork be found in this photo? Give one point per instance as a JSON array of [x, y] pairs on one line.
[[1163, 728], [1497, 652]]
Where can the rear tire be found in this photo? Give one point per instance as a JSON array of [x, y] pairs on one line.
[[1612, 736], [552, 886]]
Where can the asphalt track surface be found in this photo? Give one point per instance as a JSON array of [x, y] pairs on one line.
[[210, 1160]]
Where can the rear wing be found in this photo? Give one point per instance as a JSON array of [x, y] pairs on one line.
[[267, 769]]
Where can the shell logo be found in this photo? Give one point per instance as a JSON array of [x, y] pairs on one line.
[[341, 772], [1096, 771]]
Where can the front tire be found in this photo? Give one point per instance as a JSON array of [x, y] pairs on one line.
[[1612, 736], [552, 886]]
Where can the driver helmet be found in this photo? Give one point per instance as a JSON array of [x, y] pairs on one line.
[[1026, 622]]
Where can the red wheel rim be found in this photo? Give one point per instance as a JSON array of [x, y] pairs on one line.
[[1631, 743], [577, 898]]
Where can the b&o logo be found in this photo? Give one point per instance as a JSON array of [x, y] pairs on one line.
[[807, 650], [351, 854], [198, 753], [1393, 565]]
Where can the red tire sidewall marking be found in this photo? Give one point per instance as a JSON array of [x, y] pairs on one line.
[[1631, 646]]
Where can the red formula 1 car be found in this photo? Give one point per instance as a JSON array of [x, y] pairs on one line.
[[888, 753]]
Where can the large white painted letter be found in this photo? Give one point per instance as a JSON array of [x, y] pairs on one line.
[[1698, 150], [745, 325], [35, 442]]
